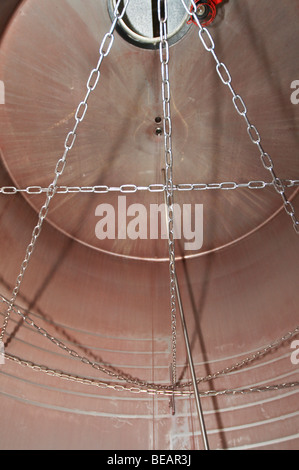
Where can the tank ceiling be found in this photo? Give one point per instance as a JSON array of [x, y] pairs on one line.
[[89, 340]]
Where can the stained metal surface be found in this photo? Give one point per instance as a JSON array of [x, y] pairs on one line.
[[110, 298]]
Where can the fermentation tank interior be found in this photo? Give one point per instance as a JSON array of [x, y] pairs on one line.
[[200, 126]]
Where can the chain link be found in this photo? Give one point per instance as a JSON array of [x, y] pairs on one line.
[[167, 128], [61, 163], [152, 188]]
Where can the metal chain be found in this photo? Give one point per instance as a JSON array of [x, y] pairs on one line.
[[248, 360], [150, 391], [167, 128], [92, 82], [95, 365], [278, 184], [152, 188], [143, 384], [239, 105]]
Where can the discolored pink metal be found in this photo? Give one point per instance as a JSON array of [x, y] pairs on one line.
[[109, 299]]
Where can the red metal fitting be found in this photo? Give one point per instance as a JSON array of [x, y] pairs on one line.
[[209, 14]]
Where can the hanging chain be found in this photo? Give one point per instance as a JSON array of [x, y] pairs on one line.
[[167, 128], [140, 384], [151, 391], [152, 188], [249, 359], [169, 187], [92, 82], [239, 105]]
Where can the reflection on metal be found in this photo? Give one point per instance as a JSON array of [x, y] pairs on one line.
[[92, 328]]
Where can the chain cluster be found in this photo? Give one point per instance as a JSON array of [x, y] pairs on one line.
[[168, 188], [140, 385], [151, 391]]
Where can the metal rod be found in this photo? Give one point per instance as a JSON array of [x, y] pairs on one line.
[[189, 354], [191, 365], [171, 401]]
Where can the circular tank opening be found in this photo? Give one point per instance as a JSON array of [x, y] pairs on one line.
[[140, 24]]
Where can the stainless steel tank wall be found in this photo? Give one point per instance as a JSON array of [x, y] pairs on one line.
[[107, 301]]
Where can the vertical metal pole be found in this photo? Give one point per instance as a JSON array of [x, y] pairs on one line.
[[191, 365], [171, 401]]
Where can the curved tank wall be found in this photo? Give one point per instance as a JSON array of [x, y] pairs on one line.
[[88, 345]]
